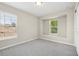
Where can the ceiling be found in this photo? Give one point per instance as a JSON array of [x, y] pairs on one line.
[[42, 10]]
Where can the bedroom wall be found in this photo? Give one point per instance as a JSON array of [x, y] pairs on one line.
[[26, 26], [76, 27], [66, 37]]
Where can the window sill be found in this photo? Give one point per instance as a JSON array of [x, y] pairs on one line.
[[53, 34], [7, 38]]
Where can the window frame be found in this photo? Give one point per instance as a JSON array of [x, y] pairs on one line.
[[13, 15], [54, 19]]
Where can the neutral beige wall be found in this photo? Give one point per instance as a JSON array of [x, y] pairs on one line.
[[67, 35], [26, 26]]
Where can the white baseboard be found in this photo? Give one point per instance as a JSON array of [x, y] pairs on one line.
[[17, 43], [58, 41]]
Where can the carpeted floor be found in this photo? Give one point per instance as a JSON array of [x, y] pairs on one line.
[[40, 48]]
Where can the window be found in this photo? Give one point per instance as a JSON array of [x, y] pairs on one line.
[[7, 25], [53, 26]]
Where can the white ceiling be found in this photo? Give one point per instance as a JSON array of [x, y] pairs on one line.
[[45, 9]]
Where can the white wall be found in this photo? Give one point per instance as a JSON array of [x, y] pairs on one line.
[[62, 26], [26, 26], [76, 27], [68, 24], [45, 27]]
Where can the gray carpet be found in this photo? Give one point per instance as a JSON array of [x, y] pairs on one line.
[[40, 48]]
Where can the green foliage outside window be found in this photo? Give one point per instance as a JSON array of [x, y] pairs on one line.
[[54, 26]]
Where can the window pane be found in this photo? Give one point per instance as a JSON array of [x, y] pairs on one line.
[[54, 26], [54, 23], [10, 26], [53, 30], [7, 25]]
